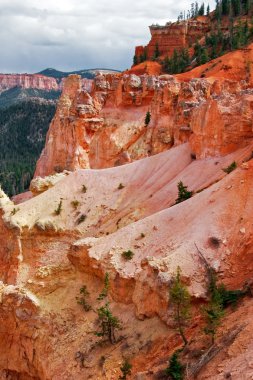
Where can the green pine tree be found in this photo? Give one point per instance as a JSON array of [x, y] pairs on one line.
[[105, 289], [225, 6], [183, 193], [213, 312], [126, 370], [147, 118], [236, 7], [175, 369], [108, 323], [157, 51], [180, 299], [204, 56], [201, 11], [135, 60]]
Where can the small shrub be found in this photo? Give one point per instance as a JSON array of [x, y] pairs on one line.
[[14, 211], [147, 118], [58, 210], [81, 219], [82, 300], [105, 289], [84, 189], [127, 255], [193, 156], [214, 241], [75, 204], [142, 235], [108, 323], [102, 361], [230, 168], [121, 186], [183, 193], [125, 369], [175, 368], [229, 297]]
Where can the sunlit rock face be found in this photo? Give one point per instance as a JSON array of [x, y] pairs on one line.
[[106, 127], [77, 224], [27, 81]]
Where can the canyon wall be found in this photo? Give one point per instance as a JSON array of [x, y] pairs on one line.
[[78, 225], [36, 81], [47, 257], [107, 127], [28, 81], [176, 35]]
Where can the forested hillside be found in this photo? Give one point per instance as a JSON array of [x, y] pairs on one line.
[[16, 95], [23, 129]]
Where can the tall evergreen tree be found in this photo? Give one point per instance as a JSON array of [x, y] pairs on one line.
[[247, 6], [225, 7], [192, 10], [135, 60], [157, 51], [204, 56], [201, 11], [218, 10], [236, 7], [196, 11], [180, 299]]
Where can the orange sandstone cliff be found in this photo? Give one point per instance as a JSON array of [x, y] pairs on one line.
[[105, 184], [106, 127], [40, 82], [174, 35]]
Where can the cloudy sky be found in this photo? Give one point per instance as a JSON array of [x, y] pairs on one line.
[[78, 34]]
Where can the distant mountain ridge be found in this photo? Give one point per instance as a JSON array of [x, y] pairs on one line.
[[43, 86], [86, 73]]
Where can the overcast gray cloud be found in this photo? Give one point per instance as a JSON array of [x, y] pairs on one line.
[[77, 34]]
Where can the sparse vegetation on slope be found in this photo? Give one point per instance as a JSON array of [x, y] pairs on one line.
[[58, 210], [183, 193], [230, 168], [127, 255], [82, 299], [126, 370], [175, 368]]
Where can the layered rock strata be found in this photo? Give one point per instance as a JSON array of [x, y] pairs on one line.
[[107, 127]]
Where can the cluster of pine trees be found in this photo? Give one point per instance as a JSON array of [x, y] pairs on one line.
[[232, 8], [236, 37], [195, 11], [216, 44], [178, 63], [23, 128]]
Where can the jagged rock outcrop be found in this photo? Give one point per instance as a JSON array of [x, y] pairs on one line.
[[173, 35], [107, 127]]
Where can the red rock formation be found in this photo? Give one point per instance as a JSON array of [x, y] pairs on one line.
[[107, 128], [27, 81], [46, 258], [36, 81], [77, 226], [173, 36]]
